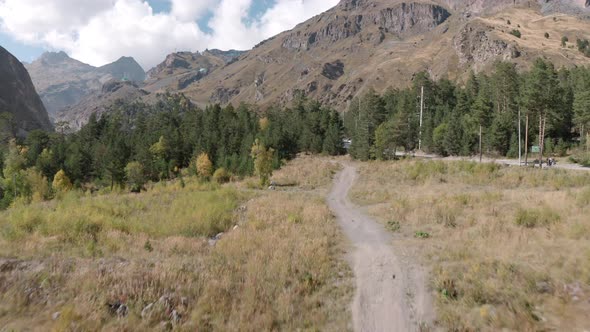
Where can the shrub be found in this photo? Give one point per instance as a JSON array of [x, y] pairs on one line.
[[581, 158], [204, 166], [221, 176], [135, 176], [422, 235], [564, 41], [536, 217], [38, 184], [584, 198], [61, 182], [516, 33], [263, 161], [546, 35], [393, 225]]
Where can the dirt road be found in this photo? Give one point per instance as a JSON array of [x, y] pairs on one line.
[[391, 292]]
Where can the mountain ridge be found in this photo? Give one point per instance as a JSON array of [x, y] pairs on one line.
[[62, 81], [377, 44], [19, 98]]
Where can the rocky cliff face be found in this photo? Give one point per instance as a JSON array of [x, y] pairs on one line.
[[400, 20], [19, 98], [181, 69], [62, 81], [476, 46]]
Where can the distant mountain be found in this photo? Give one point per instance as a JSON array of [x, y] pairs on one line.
[[111, 93], [181, 69], [363, 44], [19, 98], [62, 81]]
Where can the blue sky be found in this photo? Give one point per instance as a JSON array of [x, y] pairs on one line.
[[101, 31]]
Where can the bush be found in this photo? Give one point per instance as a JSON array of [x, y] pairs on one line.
[[61, 182], [39, 186], [135, 176], [221, 176], [516, 33], [546, 35], [564, 41], [536, 217], [581, 158]]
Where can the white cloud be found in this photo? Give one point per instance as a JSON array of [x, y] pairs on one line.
[[190, 10], [101, 31]]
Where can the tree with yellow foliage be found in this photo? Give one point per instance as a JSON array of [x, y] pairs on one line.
[[61, 182], [204, 166], [263, 159]]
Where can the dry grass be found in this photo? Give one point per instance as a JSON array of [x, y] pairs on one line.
[[280, 269], [307, 172], [508, 247]]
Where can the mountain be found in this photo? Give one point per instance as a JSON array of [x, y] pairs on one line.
[[181, 69], [362, 44], [62, 81], [19, 98], [112, 92], [335, 56]]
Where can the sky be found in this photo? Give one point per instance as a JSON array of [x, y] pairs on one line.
[[98, 32]]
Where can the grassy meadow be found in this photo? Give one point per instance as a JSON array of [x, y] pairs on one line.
[[508, 248], [132, 262]]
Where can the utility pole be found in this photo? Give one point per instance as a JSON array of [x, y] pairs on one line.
[[421, 118], [480, 144], [526, 142], [519, 140]]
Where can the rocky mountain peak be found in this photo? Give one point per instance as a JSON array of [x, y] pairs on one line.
[[124, 68], [54, 57]]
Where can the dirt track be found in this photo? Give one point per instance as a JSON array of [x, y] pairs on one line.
[[391, 292]]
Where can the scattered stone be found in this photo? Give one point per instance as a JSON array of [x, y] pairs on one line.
[[544, 287], [236, 227], [146, 311], [55, 315], [212, 242], [219, 236], [122, 310], [575, 291], [175, 317], [184, 301], [166, 326]]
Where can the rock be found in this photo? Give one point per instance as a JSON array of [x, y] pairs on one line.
[[334, 70], [175, 317], [55, 315], [146, 311], [212, 242], [122, 310], [219, 236], [476, 45], [223, 95], [236, 227], [544, 287], [166, 326], [184, 301], [164, 299]]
